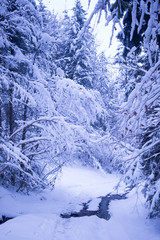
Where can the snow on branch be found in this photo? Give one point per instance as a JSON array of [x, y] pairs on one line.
[[34, 139], [139, 86], [53, 171], [30, 123], [100, 5], [15, 159], [143, 7], [134, 19], [140, 152], [145, 94]]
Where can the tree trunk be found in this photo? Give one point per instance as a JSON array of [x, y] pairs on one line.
[[0, 121], [24, 119], [10, 114]]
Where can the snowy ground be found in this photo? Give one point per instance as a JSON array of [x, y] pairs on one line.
[[37, 217]]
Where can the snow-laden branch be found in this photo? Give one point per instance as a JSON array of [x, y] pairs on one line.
[[100, 5], [140, 152], [34, 179], [134, 18], [144, 8], [130, 65], [17, 160], [34, 139], [137, 91], [29, 147], [36, 153], [15, 152], [53, 171], [30, 123]]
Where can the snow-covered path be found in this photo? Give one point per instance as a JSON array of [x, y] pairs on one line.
[[38, 216]]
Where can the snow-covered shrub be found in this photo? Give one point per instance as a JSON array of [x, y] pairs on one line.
[[17, 170]]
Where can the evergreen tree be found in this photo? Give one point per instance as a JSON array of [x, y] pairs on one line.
[[24, 96], [140, 121], [77, 55]]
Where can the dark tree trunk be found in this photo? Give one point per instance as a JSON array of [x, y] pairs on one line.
[[10, 115], [0, 121], [24, 119]]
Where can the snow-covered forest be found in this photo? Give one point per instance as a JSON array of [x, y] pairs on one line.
[[61, 106]]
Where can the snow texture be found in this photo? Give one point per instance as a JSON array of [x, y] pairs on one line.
[[37, 217]]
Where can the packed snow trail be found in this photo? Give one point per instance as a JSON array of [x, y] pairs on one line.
[[37, 217]]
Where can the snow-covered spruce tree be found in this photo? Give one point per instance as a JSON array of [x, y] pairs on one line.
[[77, 56], [15, 71], [132, 59], [141, 111], [26, 103]]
